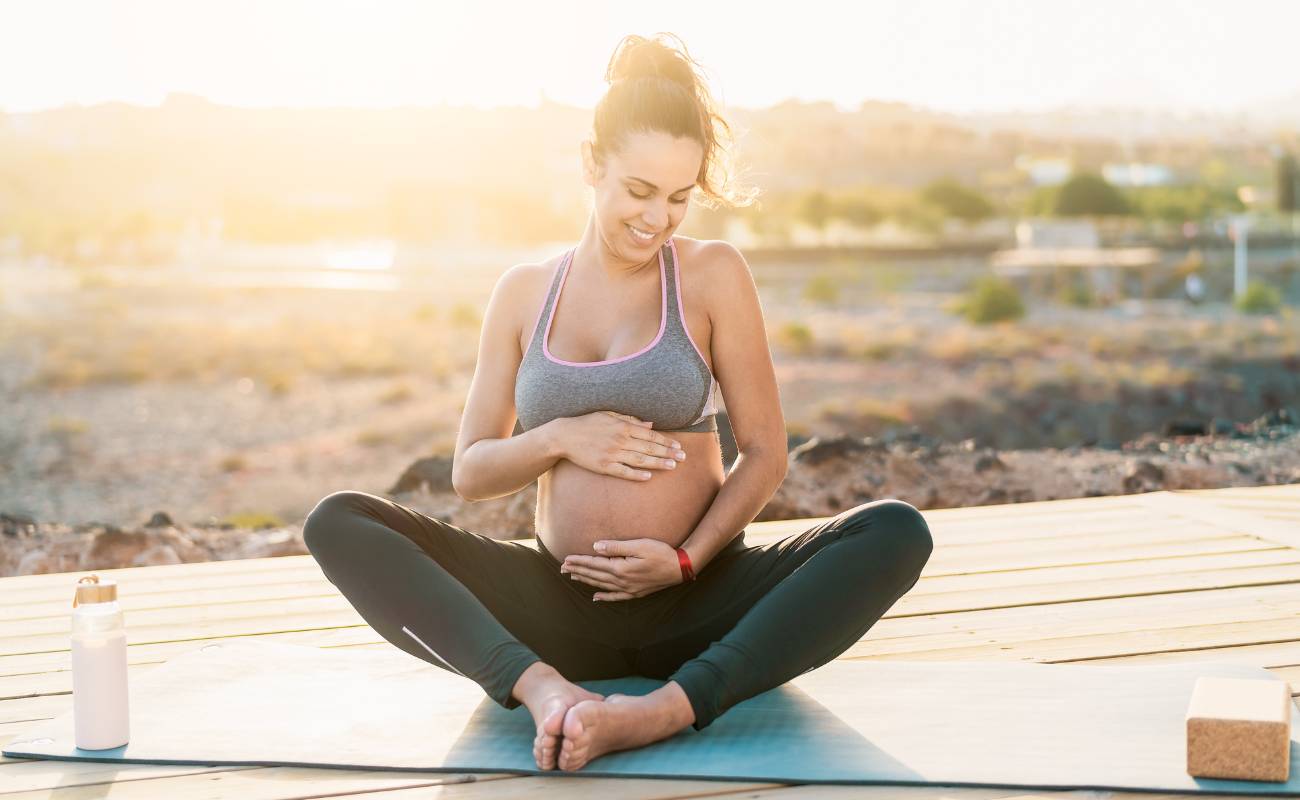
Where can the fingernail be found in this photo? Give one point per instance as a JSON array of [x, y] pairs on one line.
[[679, 455], [600, 546]]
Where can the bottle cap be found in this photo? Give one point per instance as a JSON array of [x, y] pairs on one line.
[[91, 589]]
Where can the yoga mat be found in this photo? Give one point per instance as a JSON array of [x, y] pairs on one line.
[[959, 723]]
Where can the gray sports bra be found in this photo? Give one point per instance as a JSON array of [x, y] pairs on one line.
[[667, 382]]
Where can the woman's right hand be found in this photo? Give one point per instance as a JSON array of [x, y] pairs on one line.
[[617, 444]]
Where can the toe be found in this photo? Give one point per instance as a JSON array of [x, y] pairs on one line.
[[554, 722], [572, 727]]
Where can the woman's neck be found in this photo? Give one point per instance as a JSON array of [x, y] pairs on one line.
[[595, 257]]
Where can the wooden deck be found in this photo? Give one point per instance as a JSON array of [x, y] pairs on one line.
[[1165, 576]]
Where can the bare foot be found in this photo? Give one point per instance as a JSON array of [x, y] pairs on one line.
[[548, 695], [620, 722]]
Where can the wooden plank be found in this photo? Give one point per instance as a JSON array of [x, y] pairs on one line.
[[134, 603], [1187, 506], [1036, 594], [1280, 490], [996, 581], [1269, 655], [158, 652], [1008, 558], [1145, 612], [204, 586], [1087, 647], [123, 575], [159, 625]]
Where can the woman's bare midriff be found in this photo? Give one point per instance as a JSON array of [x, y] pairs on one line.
[[577, 507]]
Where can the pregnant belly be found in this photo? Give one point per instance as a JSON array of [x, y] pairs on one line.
[[577, 507]]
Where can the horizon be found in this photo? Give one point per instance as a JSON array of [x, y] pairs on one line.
[[1051, 58]]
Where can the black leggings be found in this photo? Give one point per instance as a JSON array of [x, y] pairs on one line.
[[755, 617]]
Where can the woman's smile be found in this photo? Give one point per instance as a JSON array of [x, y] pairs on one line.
[[639, 236]]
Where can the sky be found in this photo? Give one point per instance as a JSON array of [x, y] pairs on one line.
[[950, 55]]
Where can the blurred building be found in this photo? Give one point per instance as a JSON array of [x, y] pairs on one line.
[[1137, 174], [1045, 171], [1049, 252]]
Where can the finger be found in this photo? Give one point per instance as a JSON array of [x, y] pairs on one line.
[[661, 446], [638, 460], [600, 574], [630, 418], [605, 575], [616, 548], [613, 567], [612, 596], [595, 562], [600, 582]]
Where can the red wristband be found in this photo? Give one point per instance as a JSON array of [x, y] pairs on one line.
[[688, 571]]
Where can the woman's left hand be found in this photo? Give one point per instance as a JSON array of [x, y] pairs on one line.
[[626, 568]]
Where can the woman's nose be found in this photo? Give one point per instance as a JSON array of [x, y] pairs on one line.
[[656, 220]]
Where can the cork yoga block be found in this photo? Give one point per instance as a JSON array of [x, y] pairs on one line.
[[1239, 728]]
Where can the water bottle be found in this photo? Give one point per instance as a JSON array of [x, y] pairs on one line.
[[99, 689]]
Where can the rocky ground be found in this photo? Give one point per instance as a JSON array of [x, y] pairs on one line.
[[826, 475]]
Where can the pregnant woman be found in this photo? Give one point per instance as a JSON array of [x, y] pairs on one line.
[[610, 355]]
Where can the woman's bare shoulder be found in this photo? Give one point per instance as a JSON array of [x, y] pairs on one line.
[[527, 286], [710, 261]]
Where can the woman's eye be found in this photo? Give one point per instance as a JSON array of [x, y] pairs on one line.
[[647, 197]]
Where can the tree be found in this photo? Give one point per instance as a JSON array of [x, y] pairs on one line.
[[992, 299], [1088, 194], [815, 209], [858, 210], [956, 200]]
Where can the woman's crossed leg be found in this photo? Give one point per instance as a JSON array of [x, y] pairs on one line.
[[755, 618], [495, 612]]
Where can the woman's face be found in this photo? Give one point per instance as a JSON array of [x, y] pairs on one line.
[[644, 188]]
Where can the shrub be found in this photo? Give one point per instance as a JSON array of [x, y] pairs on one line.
[[464, 315], [1088, 194], [1077, 293], [795, 336], [254, 519], [1259, 298], [234, 463], [821, 289], [993, 299], [956, 200]]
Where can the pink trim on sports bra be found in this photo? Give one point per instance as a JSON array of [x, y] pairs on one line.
[[681, 309], [663, 318]]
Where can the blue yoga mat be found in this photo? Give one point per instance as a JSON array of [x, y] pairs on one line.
[[957, 723]]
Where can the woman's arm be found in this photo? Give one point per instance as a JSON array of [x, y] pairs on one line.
[[742, 362], [489, 462], [491, 468]]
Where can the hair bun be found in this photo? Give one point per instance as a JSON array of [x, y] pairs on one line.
[[639, 57]]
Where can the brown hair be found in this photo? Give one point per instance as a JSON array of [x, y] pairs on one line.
[[654, 86]]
